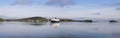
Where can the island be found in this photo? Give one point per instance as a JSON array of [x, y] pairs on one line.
[[45, 19], [1, 19], [33, 19], [113, 21]]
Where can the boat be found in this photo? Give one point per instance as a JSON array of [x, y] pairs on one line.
[[55, 20]]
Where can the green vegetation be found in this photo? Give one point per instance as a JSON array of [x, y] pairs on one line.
[[83, 20], [88, 20], [1, 19], [71, 20], [42, 19], [66, 20], [33, 19]]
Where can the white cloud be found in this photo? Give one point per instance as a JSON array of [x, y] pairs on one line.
[[45, 11]]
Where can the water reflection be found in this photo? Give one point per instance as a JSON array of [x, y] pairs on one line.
[[1, 22], [113, 22], [55, 25], [36, 23], [66, 30]]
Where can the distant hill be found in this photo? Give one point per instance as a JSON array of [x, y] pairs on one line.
[[33, 19], [1, 19]]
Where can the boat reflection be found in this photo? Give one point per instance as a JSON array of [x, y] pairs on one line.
[[55, 25]]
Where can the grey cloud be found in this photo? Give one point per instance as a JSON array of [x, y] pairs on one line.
[[97, 13], [23, 2], [117, 4], [114, 4], [118, 9], [60, 2]]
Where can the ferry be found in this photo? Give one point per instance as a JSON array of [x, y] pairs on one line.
[[55, 20]]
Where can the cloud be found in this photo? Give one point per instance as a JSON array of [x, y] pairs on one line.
[[117, 4], [22, 2], [60, 2], [97, 13], [114, 4], [46, 11], [118, 9]]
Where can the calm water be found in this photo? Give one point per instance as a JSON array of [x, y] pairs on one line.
[[59, 30]]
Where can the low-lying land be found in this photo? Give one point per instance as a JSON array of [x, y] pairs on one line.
[[33, 19], [43, 19], [1, 19]]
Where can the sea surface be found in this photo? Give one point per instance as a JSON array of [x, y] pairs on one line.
[[59, 30]]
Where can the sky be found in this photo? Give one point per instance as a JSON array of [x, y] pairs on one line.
[[60, 8]]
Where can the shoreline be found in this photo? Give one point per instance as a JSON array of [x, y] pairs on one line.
[[43, 19]]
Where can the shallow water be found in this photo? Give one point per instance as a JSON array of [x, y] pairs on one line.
[[59, 30]]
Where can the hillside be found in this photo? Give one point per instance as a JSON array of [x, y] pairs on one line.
[[33, 19], [1, 19]]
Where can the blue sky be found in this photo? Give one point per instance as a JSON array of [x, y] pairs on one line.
[[77, 2], [60, 8]]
